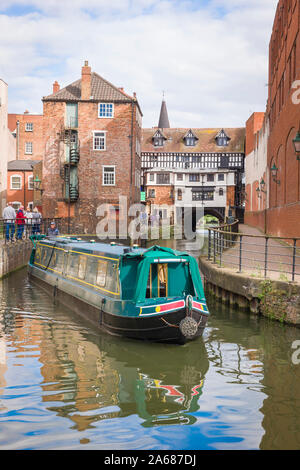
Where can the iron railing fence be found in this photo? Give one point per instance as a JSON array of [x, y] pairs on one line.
[[260, 255], [12, 230]]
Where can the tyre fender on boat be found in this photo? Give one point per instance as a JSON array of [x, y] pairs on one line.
[[188, 325]]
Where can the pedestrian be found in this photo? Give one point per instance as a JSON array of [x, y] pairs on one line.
[[29, 221], [20, 222], [53, 230], [36, 221], [9, 217]]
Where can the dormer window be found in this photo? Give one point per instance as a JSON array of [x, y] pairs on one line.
[[158, 139], [190, 139], [222, 139]]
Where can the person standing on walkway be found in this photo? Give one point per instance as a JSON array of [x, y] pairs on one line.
[[20, 222], [36, 221], [29, 221], [9, 216]]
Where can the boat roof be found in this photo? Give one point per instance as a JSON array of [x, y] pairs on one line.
[[111, 249], [92, 247]]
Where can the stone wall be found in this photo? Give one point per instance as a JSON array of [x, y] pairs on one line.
[[277, 300], [14, 256]]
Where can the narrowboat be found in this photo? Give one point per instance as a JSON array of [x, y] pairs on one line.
[[153, 294]]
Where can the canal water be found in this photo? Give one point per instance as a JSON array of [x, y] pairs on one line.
[[64, 385]]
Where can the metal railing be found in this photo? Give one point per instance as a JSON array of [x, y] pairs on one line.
[[12, 230], [259, 255]]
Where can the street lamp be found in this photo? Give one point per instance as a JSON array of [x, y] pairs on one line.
[[274, 171], [37, 184], [260, 188], [296, 143]]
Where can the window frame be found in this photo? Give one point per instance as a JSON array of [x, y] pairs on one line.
[[30, 182], [28, 126], [103, 175], [28, 152], [103, 273], [11, 183], [162, 178], [104, 139], [105, 116]]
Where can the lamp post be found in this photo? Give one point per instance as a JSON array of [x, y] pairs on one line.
[[37, 184], [260, 190], [274, 171]]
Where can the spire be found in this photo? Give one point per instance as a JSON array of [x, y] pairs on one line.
[[163, 122]]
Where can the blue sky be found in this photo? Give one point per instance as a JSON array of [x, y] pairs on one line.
[[210, 56]]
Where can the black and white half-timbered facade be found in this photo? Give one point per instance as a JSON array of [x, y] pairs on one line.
[[193, 168]]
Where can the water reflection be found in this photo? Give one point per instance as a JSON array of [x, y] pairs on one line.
[[62, 384], [117, 378]]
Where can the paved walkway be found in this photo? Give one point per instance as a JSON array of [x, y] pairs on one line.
[[279, 256]]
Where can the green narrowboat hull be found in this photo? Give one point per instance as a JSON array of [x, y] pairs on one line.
[[176, 319]]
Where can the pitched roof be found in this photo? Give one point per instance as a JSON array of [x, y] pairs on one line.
[[101, 90], [21, 165], [206, 143]]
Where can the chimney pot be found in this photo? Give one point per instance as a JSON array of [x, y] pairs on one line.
[[86, 82], [56, 87]]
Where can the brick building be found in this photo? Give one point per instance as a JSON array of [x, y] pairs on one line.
[[256, 200], [28, 131], [91, 138], [190, 168], [20, 183], [281, 122]]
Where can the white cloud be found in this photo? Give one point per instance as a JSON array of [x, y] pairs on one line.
[[212, 61]]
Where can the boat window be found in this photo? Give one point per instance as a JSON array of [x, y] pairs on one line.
[[162, 280], [56, 260], [73, 265], [82, 267], [157, 285], [101, 273], [46, 253], [91, 270], [112, 277], [38, 255]]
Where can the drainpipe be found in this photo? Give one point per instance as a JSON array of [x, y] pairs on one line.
[[131, 150], [24, 179], [18, 139]]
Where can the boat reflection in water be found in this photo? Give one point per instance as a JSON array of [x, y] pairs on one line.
[[115, 378]]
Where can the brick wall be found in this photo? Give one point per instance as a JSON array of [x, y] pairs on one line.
[[118, 152], [283, 217], [35, 136], [23, 195]]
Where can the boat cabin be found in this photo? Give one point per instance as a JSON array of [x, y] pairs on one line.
[[120, 272]]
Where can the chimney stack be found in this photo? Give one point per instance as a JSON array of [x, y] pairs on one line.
[[56, 87], [86, 82]]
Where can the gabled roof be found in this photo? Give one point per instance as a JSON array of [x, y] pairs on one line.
[[222, 133], [206, 142], [159, 133], [101, 90], [190, 133]]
